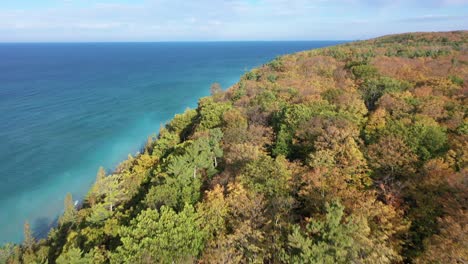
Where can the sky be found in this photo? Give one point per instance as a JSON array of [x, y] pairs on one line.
[[223, 20]]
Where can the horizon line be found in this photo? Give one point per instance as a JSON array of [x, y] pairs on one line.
[[169, 41]]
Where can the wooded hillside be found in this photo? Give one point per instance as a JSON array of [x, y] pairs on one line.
[[350, 154]]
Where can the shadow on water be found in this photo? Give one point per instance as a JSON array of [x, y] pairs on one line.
[[42, 226]]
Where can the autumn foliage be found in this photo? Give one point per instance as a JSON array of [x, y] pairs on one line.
[[350, 154]]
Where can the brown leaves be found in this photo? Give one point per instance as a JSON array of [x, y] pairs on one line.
[[241, 237], [391, 158], [450, 246]]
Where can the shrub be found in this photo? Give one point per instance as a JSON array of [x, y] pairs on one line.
[[364, 71], [277, 64], [456, 80], [252, 76], [272, 78]]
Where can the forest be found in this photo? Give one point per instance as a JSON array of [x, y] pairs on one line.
[[355, 153]]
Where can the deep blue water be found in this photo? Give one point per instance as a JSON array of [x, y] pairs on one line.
[[66, 109]]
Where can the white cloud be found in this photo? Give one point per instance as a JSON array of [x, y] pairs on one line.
[[229, 19], [99, 26]]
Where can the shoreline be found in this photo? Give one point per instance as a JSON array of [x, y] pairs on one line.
[[231, 68]]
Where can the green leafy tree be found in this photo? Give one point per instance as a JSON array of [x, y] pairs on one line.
[[114, 193], [182, 124], [211, 113], [161, 237], [9, 254], [98, 214], [267, 176], [424, 136], [364, 71], [373, 89], [289, 119], [185, 170]]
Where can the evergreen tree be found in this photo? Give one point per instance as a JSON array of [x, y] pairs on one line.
[[325, 241], [74, 256], [29, 240], [70, 212]]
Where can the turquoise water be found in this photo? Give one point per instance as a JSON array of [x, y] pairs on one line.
[[66, 109]]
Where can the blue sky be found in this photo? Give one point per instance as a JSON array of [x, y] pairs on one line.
[[207, 20]]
